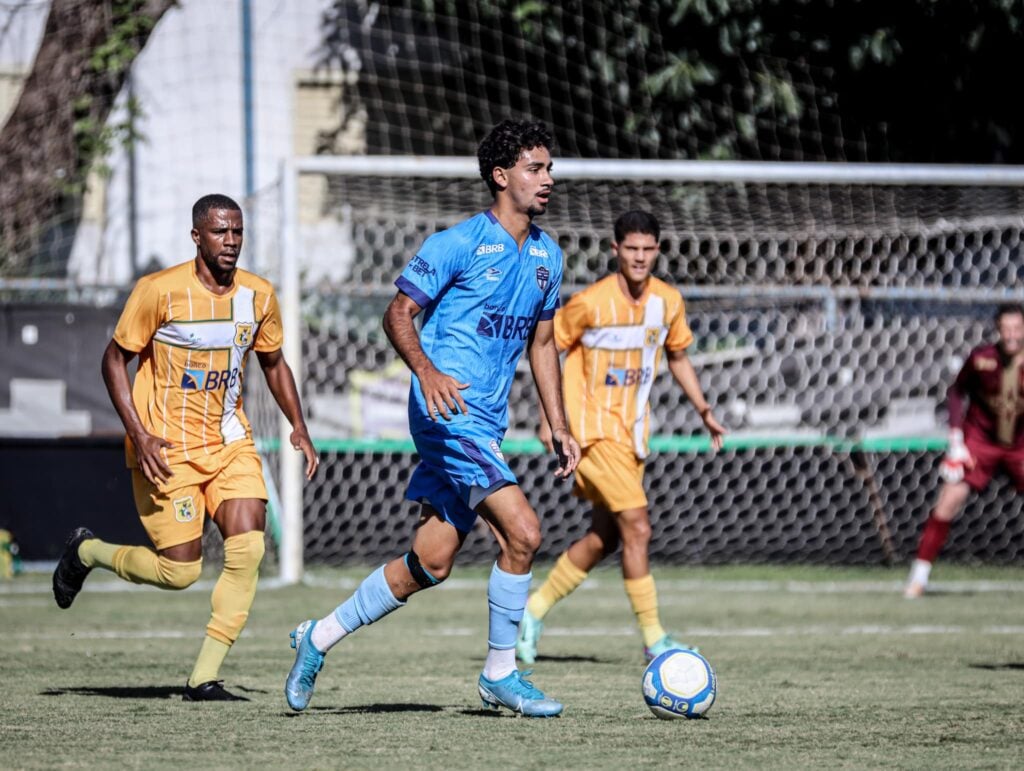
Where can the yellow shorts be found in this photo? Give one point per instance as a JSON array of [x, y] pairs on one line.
[[173, 512], [610, 475]]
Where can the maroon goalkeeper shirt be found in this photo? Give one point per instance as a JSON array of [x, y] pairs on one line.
[[993, 386]]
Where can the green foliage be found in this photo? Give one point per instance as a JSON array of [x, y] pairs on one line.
[[922, 80], [108, 65]]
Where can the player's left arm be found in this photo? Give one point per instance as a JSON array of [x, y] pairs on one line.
[[682, 370], [282, 385], [547, 374]]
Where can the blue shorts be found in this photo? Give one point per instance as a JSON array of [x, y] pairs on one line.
[[460, 465]]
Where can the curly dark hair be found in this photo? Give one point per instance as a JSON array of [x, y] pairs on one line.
[[506, 142], [207, 203]]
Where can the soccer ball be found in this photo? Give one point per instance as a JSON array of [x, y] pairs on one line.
[[678, 684]]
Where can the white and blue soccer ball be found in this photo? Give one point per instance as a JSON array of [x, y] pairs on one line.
[[679, 683]]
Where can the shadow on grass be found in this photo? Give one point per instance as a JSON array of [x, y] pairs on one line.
[[119, 692], [573, 659], [370, 709], [132, 691], [1018, 665]]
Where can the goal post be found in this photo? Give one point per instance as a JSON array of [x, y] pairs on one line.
[[762, 252]]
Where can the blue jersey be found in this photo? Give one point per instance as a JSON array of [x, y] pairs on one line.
[[482, 297]]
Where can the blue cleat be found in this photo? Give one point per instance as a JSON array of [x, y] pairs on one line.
[[517, 693], [526, 641], [298, 688], [666, 643]]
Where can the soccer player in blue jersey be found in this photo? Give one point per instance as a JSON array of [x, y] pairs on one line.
[[488, 288]]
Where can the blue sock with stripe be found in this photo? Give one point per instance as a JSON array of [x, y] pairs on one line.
[[371, 602]]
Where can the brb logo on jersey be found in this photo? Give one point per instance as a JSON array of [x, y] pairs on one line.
[[628, 377], [201, 380], [504, 326]]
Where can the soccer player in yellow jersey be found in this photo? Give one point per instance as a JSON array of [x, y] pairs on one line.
[[188, 443], [614, 333]]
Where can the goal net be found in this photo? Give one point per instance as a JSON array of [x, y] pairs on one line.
[[831, 307]]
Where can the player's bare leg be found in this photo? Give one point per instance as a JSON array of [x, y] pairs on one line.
[[516, 527], [952, 497], [241, 522], [426, 564]]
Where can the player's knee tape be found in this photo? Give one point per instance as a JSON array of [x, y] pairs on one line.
[[236, 588], [419, 573], [177, 575]]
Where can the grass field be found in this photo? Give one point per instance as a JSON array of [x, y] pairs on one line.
[[817, 667]]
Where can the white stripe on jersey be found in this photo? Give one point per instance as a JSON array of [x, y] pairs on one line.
[[231, 427], [654, 317]]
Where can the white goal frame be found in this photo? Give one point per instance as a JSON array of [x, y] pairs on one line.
[[291, 559]]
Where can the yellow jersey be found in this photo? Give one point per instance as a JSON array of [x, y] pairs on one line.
[[614, 347], [192, 347]]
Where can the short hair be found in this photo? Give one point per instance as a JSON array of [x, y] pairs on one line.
[[202, 207], [505, 144], [1008, 309], [636, 221]]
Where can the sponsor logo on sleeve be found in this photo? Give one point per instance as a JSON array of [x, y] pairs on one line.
[[421, 267]]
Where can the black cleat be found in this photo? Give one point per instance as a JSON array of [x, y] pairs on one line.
[[211, 691], [70, 573]]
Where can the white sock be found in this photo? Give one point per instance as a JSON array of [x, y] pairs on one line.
[[327, 633], [499, 663], [919, 572]]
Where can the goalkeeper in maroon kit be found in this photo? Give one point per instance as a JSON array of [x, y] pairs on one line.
[[984, 434]]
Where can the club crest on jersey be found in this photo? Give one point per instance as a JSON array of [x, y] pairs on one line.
[[184, 509], [243, 334], [652, 335], [543, 274]]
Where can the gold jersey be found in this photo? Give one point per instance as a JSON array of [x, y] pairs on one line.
[[192, 347], [614, 347]]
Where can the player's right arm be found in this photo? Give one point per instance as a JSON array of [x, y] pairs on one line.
[[148, 448], [440, 391]]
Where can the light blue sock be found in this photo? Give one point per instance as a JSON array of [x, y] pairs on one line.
[[506, 600], [371, 602]]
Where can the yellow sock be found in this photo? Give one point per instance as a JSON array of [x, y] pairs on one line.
[[142, 565], [643, 596], [211, 656], [561, 582], [230, 602], [95, 553]]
